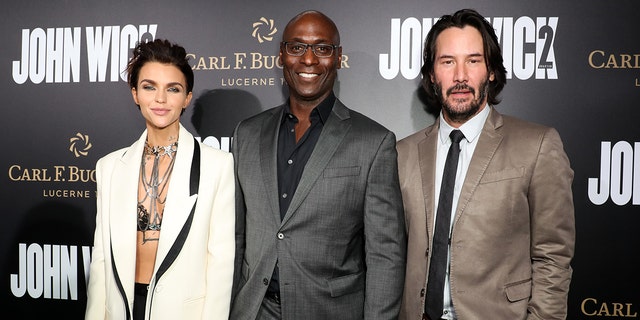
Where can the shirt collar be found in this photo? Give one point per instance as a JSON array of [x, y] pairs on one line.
[[471, 129], [323, 109]]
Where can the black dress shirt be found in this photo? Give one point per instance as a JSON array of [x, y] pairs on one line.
[[293, 156]]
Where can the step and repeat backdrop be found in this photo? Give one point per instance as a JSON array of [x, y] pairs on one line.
[[573, 65]]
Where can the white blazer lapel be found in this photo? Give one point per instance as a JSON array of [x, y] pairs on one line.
[[123, 214], [179, 201]]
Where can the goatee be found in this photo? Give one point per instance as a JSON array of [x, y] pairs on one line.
[[459, 113]]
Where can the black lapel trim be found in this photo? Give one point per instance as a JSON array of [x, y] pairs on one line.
[[182, 236], [119, 283]]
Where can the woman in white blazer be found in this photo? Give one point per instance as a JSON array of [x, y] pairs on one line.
[[164, 240]]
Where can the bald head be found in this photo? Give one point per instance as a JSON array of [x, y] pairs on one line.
[[310, 77], [313, 18]]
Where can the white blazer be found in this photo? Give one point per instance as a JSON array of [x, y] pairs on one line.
[[197, 284]]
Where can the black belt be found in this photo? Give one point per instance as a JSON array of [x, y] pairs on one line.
[[273, 296]]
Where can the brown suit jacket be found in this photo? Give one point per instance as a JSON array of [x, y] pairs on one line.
[[514, 231]]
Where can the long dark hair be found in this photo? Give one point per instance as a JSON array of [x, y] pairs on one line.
[[492, 53]]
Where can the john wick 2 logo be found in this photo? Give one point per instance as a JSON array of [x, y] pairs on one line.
[[527, 47]]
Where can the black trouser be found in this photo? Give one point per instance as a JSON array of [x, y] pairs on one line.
[[139, 300]]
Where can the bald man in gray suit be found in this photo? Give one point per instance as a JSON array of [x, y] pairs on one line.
[[320, 228]]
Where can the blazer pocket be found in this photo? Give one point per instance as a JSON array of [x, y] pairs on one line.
[[518, 291], [192, 309], [341, 172], [506, 174], [346, 284]]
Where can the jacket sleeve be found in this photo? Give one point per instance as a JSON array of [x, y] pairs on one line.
[[552, 229], [240, 220], [221, 246], [385, 235], [96, 287]]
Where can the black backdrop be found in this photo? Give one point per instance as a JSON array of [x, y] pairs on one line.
[[573, 65]]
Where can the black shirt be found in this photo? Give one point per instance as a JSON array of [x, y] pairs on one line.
[[293, 156]]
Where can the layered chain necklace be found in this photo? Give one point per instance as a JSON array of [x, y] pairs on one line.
[[154, 187]]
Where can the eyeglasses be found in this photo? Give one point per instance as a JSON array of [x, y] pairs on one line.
[[297, 49]]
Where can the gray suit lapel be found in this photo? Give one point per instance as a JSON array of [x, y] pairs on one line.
[[268, 158], [490, 139], [332, 134]]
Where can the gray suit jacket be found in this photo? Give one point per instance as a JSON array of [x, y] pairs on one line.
[[513, 234], [341, 246]]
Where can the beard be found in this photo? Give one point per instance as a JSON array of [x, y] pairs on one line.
[[461, 110]]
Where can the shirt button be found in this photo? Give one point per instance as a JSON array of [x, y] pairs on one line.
[[292, 130], [265, 281], [280, 235], [284, 195], [289, 161]]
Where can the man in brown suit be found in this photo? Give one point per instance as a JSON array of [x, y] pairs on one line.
[[512, 229]]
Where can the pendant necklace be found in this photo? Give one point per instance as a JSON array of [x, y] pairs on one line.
[[154, 187]]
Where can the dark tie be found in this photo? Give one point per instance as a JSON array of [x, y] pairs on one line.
[[438, 263]]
